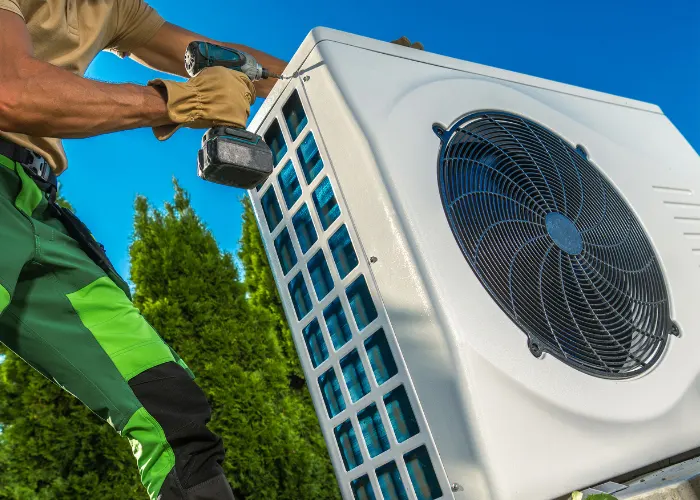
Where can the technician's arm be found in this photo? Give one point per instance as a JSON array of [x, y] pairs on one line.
[[39, 99], [166, 52]]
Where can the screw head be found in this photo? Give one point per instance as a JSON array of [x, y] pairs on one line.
[[373, 259], [535, 349], [675, 330], [306, 78], [456, 487], [582, 151]]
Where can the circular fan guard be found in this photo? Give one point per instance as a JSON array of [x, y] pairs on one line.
[[554, 244]]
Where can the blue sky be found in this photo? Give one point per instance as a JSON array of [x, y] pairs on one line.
[[650, 53]]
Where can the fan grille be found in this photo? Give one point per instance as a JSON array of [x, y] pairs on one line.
[[554, 244]]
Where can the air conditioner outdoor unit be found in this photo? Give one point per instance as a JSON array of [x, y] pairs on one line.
[[492, 280]]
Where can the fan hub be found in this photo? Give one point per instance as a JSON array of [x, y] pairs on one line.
[[564, 233]]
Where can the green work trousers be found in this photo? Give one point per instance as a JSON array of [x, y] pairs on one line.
[[66, 317]]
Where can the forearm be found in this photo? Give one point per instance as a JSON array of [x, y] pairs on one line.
[[271, 63], [40, 99], [166, 52]]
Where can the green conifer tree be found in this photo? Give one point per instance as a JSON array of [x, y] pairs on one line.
[[262, 290], [191, 293]]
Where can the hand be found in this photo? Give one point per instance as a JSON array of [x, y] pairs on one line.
[[215, 96], [407, 43]]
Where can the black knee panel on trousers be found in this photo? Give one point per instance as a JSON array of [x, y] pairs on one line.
[[216, 488], [182, 410]]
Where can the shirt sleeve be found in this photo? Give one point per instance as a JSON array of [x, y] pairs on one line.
[[134, 24], [12, 6]]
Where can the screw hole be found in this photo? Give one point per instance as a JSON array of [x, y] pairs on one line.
[[373, 259], [438, 130]]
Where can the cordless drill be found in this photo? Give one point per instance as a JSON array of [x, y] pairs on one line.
[[229, 155]]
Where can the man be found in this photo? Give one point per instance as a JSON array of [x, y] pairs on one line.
[[63, 308]]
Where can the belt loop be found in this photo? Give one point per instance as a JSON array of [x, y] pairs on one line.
[[15, 153], [53, 186], [52, 194]]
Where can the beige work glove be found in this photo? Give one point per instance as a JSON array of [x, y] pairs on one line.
[[407, 43], [214, 96]]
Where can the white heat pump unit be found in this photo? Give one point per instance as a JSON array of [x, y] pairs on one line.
[[493, 280]]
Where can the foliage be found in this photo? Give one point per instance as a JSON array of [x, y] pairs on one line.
[[232, 335], [62, 201], [261, 288], [52, 447], [191, 293], [577, 495]]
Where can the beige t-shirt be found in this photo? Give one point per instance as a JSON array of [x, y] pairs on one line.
[[70, 33]]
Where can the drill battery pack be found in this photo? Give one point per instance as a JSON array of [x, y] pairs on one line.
[[234, 157]]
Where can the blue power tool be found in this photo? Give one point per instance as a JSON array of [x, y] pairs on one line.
[[229, 155]]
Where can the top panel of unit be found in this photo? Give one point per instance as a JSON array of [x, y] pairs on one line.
[[320, 34]]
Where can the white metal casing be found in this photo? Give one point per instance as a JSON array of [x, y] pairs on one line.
[[496, 421]]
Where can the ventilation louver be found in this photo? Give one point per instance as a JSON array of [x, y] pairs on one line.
[[554, 244]]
